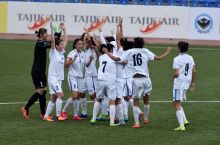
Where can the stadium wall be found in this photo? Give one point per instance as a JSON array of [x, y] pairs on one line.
[[165, 22]]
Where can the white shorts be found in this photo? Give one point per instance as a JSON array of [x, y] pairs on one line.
[[179, 95], [119, 87], [106, 88], [141, 87], [127, 87], [91, 84], [55, 86], [76, 84]]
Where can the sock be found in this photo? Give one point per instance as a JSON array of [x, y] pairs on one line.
[[184, 116], [131, 102], [119, 112], [136, 114], [59, 104], [125, 107], [83, 106], [179, 116], [42, 102], [67, 104], [105, 106], [112, 113], [32, 100], [50, 107], [146, 111], [76, 107], [96, 109]]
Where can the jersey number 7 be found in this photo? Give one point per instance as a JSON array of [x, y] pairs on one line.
[[104, 65]]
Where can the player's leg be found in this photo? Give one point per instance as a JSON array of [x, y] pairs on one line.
[[186, 122], [91, 86], [177, 105], [42, 98], [59, 102], [146, 108], [83, 100], [50, 107]]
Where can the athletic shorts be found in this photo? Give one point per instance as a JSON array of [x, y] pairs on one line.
[[39, 81], [55, 86], [119, 87], [179, 95], [127, 87], [106, 88], [77, 84], [141, 87], [91, 84]]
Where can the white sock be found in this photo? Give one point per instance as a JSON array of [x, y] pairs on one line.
[[59, 104], [76, 107], [105, 106], [136, 114], [131, 102], [184, 116], [119, 112], [96, 109], [50, 107], [124, 106], [112, 113], [146, 111], [83, 106], [67, 104], [179, 116]]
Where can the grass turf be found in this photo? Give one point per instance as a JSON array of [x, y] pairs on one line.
[[16, 85]]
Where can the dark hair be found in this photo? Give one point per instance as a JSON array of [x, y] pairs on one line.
[[57, 35], [183, 46], [41, 31], [108, 46], [58, 41], [109, 39], [75, 42], [126, 45], [138, 42]]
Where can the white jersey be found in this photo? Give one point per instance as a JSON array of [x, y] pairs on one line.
[[184, 63], [107, 68], [137, 60], [91, 70], [76, 69], [56, 66], [120, 68]]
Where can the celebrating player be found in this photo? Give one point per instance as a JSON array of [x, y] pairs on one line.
[[184, 78], [38, 74], [56, 74]]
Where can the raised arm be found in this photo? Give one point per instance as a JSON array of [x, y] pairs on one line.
[[65, 38], [163, 55], [119, 33], [52, 36], [102, 39], [110, 55]]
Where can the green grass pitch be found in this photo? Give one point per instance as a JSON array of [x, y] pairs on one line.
[[16, 59]]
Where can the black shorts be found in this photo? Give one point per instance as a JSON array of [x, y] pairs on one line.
[[40, 81]]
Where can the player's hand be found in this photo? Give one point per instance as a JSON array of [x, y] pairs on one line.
[[62, 26], [169, 49], [192, 87], [69, 61], [120, 21]]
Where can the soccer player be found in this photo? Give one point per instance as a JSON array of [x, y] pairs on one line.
[[184, 78], [38, 74], [106, 83], [56, 75], [76, 63], [138, 58]]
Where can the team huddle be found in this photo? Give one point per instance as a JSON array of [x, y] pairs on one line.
[[121, 80]]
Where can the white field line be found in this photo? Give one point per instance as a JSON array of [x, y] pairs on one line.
[[193, 48], [16, 103]]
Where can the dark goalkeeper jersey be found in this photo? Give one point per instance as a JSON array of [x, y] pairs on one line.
[[40, 57]]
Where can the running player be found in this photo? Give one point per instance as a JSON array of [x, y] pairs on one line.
[[184, 78], [38, 74], [56, 74], [76, 63]]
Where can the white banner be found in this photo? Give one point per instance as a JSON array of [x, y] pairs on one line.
[[204, 23], [144, 21]]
